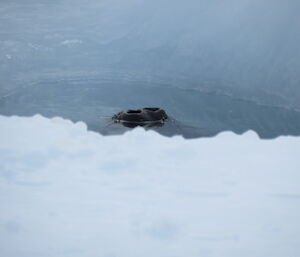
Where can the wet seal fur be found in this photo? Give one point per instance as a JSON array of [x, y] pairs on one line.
[[148, 116]]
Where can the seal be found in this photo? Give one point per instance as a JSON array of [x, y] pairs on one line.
[[147, 116]]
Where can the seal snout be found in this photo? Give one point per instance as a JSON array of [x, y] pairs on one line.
[[150, 116]]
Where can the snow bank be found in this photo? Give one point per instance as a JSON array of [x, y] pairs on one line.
[[65, 191]]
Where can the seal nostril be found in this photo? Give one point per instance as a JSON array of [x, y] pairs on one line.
[[152, 109], [134, 111]]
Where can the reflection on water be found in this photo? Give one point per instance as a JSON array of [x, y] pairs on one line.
[[193, 113]]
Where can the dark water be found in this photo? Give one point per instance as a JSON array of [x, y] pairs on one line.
[[192, 113]]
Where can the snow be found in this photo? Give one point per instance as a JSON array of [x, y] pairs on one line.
[[66, 191]]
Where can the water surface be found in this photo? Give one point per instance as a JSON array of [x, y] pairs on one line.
[[193, 113], [213, 66]]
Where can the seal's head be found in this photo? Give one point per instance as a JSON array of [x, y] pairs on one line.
[[148, 116]]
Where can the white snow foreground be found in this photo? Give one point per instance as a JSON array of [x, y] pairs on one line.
[[68, 192]]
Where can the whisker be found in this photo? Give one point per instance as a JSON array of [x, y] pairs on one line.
[[109, 124]]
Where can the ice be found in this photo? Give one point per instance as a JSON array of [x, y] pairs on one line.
[[71, 41], [66, 191]]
